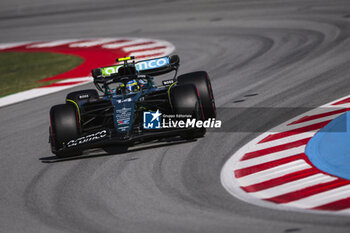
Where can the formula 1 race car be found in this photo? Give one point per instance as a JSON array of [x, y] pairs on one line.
[[132, 107]]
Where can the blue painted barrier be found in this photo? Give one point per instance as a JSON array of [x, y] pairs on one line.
[[329, 149]]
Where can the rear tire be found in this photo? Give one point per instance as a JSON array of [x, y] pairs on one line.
[[64, 127], [201, 80], [185, 100]]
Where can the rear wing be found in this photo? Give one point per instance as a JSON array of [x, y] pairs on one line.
[[152, 67]]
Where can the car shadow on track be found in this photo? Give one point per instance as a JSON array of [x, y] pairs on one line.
[[116, 150]]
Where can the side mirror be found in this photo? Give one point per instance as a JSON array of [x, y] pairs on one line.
[[174, 60], [96, 73]]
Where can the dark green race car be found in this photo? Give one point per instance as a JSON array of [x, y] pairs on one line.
[[132, 107]]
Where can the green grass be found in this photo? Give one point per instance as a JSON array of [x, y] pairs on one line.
[[22, 71]]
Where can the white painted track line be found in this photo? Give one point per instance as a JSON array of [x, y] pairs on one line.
[[142, 47], [272, 173], [278, 142], [270, 157], [12, 45], [124, 44], [321, 198], [293, 186], [52, 44], [92, 43]]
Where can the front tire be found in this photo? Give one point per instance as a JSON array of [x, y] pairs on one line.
[[64, 126]]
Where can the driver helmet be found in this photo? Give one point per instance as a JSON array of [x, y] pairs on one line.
[[132, 86]]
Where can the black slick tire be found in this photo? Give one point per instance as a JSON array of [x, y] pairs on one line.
[[64, 126], [201, 80], [185, 100]]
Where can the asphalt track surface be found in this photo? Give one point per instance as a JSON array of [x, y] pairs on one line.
[[279, 53]]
